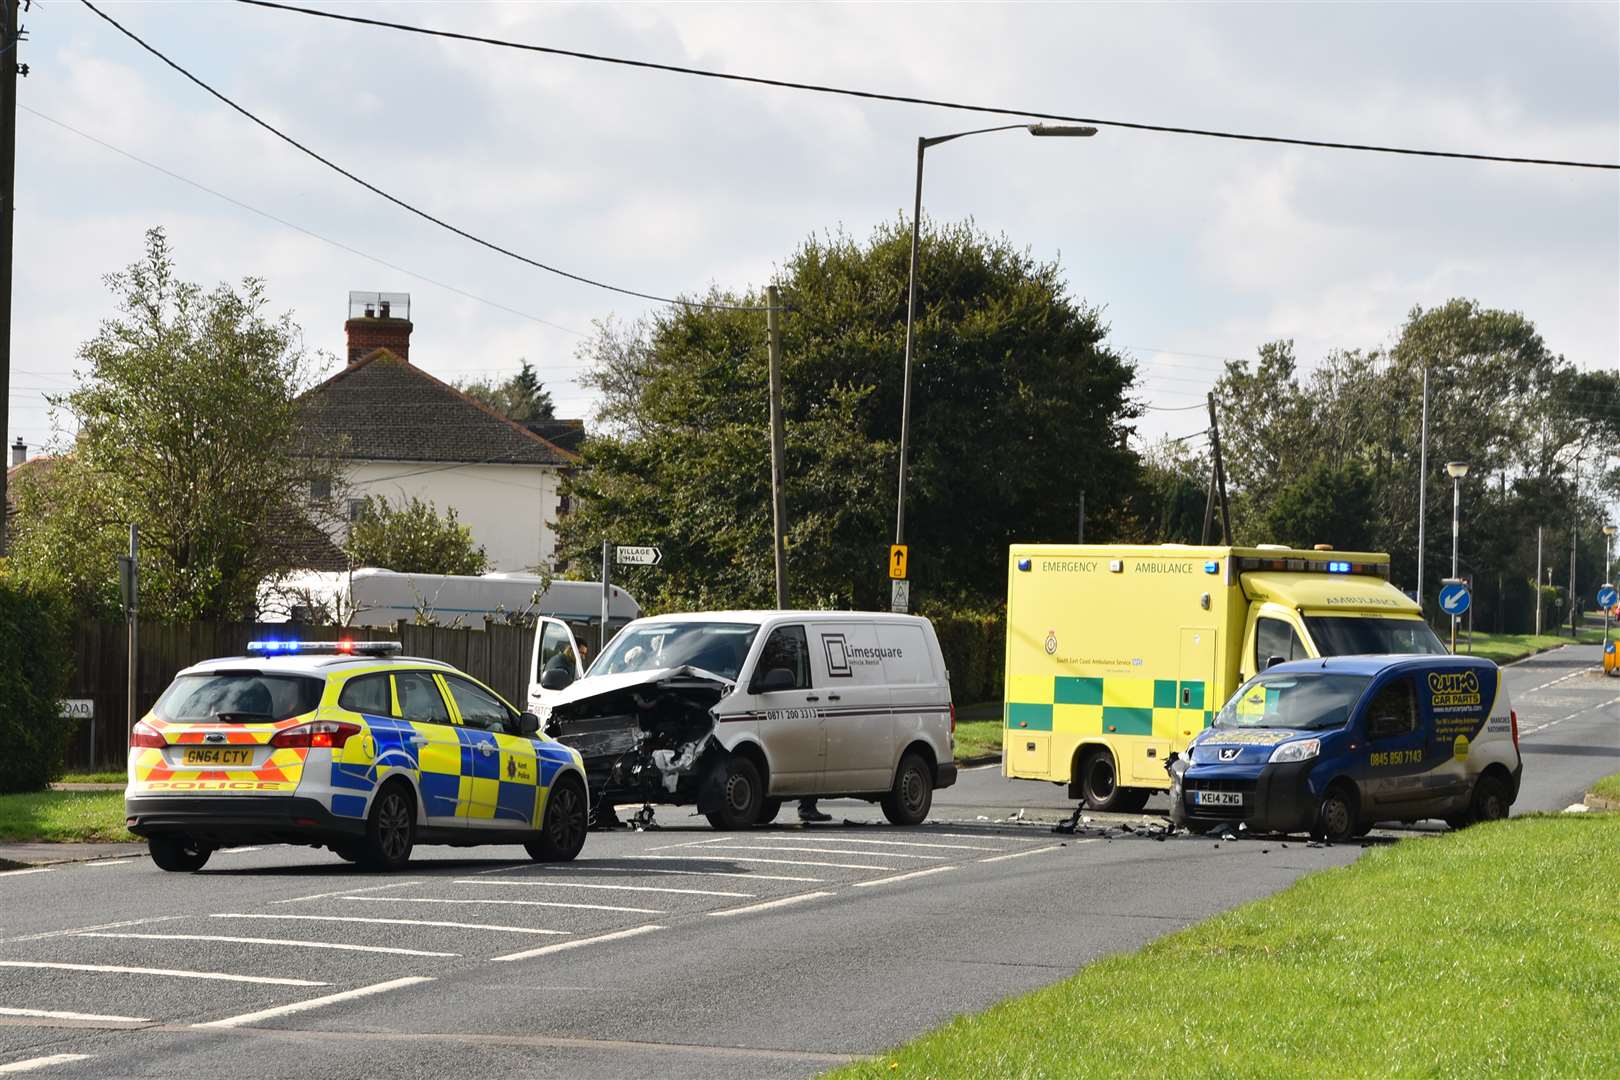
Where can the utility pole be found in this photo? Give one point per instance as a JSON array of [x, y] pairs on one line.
[[129, 582], [1574, 539], [607, 591], [1538, 581], [1423, 485], [1082, 517], [773, 333], [10, 64], [1220, 477]]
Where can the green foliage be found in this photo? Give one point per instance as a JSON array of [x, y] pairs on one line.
[[1325, 504], [35, 661], [188, 427], [521, 397], [413, 538], [974, 644], [1015, 399], [1172, 490], [63, 817]]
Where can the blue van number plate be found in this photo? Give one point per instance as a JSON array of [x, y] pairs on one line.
[[1218, 798]]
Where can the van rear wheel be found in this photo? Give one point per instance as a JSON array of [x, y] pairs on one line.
[[1099, 786], [912, 796], [1490, 801]]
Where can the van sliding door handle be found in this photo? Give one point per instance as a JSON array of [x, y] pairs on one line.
[[812, 697], [834, 697]]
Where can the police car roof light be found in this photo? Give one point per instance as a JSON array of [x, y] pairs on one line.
[[346, 647]]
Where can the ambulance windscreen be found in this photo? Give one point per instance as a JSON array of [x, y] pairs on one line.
[[1352, 635], [1296, 702]]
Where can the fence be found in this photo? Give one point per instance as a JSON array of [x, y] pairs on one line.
[[497, 656]]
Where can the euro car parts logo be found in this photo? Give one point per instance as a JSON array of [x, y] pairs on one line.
[[1454, 688]]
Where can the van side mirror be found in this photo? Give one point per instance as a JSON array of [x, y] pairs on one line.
[[528, 725], [1273, 661], [556, 678], [774, 680]]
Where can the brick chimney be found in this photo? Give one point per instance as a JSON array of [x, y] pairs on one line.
[[19, 452], [378, 321]]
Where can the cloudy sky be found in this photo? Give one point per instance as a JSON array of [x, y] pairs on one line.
[[1196, 249]]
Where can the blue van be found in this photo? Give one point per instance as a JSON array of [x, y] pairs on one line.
[[1330, 747]]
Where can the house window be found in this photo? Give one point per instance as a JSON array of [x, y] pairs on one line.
[[562, 505], [357, 509], [320, 489]]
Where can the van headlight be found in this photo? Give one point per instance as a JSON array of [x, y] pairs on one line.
[[1298, 750]]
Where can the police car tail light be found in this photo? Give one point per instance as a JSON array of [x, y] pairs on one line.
[[1513, 715], [143, 734], [315, 735]]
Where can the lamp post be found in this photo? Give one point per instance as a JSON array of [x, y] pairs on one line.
[[1041, 130], [1456, 470], [1608, 537]]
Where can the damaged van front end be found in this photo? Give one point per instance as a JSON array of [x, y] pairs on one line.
[[645, 736]]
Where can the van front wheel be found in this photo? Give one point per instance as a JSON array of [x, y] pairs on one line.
[[1336, 816], [742, 795], [912, 796]]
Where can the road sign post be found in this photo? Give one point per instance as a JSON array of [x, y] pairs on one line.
[[898, 559], [1606, 598], [646, 555], [900, 596], [1455, 600]]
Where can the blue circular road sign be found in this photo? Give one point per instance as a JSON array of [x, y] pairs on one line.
[[1607, 596], [1454, 598]]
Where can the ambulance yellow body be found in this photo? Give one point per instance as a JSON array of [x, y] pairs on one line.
[[1118, 655]]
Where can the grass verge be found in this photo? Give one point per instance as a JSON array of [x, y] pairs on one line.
[[1491, 952], [95, 778], [1608, 788], [62, 815], [978, 729], [1503, 648]]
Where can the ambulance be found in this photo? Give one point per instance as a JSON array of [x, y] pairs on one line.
[[1117, 656]]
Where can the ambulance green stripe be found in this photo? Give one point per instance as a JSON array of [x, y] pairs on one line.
[[1118, 720], [1029, 717], [1082, 690]]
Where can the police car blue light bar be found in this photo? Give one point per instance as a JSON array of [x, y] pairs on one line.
[[324, 648]]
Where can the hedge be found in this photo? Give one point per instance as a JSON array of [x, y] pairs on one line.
[[974, 644], [35, 649]]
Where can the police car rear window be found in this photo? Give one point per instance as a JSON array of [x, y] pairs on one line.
[[237, 697]]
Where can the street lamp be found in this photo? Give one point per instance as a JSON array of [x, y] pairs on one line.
[[1039, 130], [1456, 470], [1608, 535]]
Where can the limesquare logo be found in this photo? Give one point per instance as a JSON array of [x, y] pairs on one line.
[[837, 649]]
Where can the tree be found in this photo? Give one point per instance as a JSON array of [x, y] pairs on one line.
[[1325, 504], [412, 538], [188, 427], [1016, 404], [521, 397]]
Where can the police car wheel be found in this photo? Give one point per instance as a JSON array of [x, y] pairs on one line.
[[909, 801], [742, 795], [562, 833], [390, 829], [177, 854], [1335, 817]]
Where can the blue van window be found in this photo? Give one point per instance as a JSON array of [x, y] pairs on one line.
[[1393, 711], [1297, 700]]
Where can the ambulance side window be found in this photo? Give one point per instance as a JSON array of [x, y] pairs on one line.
[[1273, 637], [1393, 712], [419, 698], [367, 694]]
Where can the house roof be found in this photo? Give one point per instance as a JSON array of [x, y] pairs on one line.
[[382, 408], [568, 434]]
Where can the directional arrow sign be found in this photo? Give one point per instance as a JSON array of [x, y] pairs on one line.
[[637, 556], [1454, 597], [1607, 596]]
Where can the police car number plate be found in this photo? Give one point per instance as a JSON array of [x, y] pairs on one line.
[[1218, 798], [219, 756]]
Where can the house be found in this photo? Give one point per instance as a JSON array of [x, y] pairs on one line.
[[403, 433], [21, 465]]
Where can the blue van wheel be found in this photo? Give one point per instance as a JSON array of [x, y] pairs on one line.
[[1336, 816]]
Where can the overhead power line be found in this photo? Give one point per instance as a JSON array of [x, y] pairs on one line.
[[906, 99], [396, 200]]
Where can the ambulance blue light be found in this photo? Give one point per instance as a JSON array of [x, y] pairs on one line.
[[1338, 568], [273, 646], [1024, 565], [1212, 567]]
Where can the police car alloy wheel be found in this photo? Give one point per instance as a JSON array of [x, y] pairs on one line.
[[178, 854], [390, 829], [562, 834]]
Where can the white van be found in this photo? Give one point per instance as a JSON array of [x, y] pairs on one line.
[[735, 711]]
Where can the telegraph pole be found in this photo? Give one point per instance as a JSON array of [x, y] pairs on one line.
[[10, 48], [773, 331], [1220, 476], [1423, 487], [1538, 581]]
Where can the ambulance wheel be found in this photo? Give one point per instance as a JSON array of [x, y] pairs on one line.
[[909, 801], [1490, 801], [562, 833], [1099, 784], [1335, 816], [178, 854], [768, 811], [742, 795], [390, 829]]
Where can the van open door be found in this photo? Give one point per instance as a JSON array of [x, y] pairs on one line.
[[554, 664]]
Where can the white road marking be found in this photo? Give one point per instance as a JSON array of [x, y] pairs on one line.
[[687, 843], [274, 941], [315, 1003], [1031, 851], [30, 1064], [825, 851], [345, 892], [546, 950], [616, 888], [900, 843], [694, 873], [120, 969], [237, 850], [47, 1014], [903, 877], [982, 836], [393, 922], [111, 862], [1571, 716], [522, 903], [26, 870], [102, 926], [748, 858], [1555, 682], [767, 905]]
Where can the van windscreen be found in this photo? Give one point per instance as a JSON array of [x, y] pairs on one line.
[[1298, 702], [1355, 635], [718, 648]]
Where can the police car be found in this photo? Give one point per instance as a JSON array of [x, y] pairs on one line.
[[350, 746], [1333, 746]]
